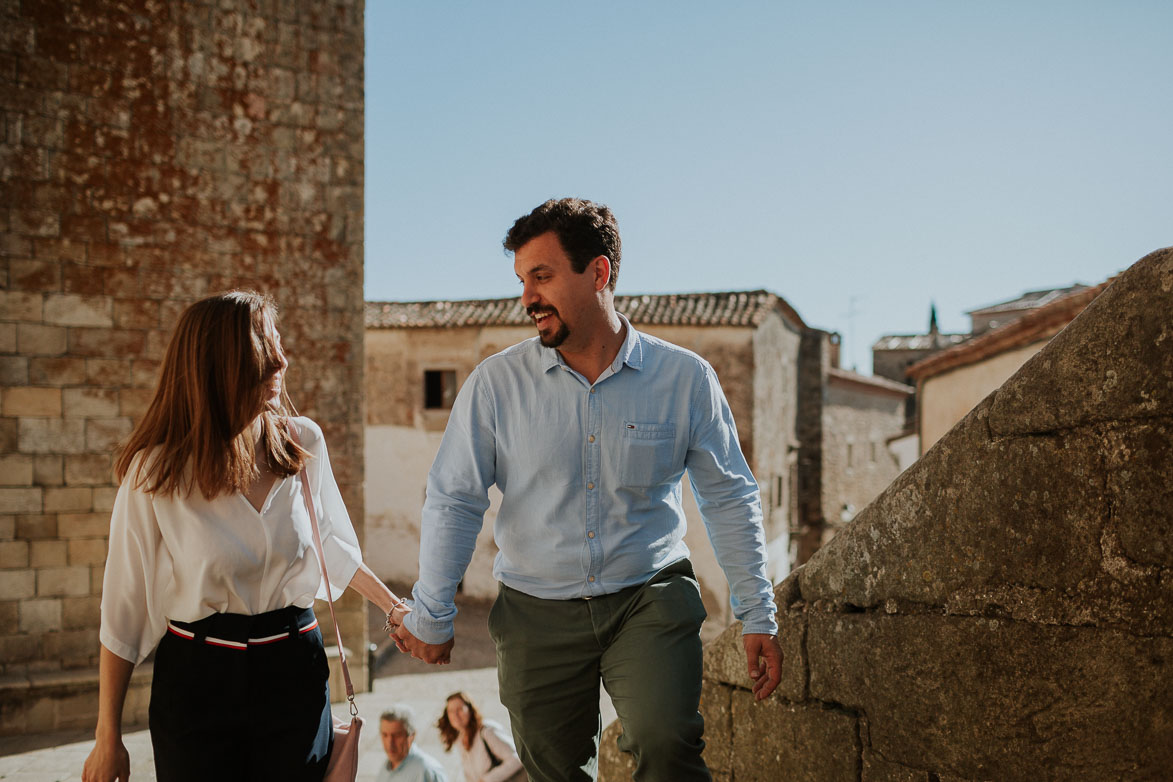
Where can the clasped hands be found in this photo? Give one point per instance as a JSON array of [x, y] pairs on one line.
[[439, 654]]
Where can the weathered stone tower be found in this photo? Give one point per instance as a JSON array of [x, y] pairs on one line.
[[151, 152]]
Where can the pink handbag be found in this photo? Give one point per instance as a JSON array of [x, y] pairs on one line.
[[343, 763]]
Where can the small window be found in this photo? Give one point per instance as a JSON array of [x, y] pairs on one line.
[[439, 389], [849, 454]]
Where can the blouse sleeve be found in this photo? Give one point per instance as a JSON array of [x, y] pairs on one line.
[[504, 751], [137, 564], [339, 541]]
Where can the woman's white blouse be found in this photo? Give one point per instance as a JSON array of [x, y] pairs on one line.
[[476, 763], [187, 557]]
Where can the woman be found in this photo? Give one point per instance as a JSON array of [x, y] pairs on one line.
[[486, 752], [211, 557]]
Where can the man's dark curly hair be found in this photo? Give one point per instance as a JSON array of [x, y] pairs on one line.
[[585, 230]]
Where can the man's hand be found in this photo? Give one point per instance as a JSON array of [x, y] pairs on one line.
[[440, 654], [761, 648]]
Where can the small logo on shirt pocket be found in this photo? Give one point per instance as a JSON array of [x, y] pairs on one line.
[[648, 449]]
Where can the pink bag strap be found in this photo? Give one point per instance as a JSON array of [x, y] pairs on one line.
[[309, 504]]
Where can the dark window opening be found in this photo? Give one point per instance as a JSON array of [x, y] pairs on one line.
[[439, 388]]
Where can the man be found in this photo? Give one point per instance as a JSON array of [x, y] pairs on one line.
[[405, 763], [587, 430]]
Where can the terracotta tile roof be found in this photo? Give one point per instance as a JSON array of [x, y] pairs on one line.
[[733, 308], [1042, 323], [868, 382]]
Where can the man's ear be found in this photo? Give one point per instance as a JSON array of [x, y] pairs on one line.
[[602, 265]]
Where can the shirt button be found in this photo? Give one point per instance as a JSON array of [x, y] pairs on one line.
[[590, 534], [591, 439], [590, 485], [592, 390], [591, 579]]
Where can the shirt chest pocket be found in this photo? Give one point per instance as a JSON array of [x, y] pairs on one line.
[[647, 456]]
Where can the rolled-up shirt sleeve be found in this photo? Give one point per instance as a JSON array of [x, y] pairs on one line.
[[138, 567], [730, 503], [454, 511], [339, 540]]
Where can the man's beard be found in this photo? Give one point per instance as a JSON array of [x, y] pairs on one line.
[[559, 336], [555, 339]]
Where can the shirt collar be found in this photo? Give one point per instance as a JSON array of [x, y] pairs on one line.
[[630, 352]]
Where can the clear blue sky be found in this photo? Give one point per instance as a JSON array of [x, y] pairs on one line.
[[853, 157]]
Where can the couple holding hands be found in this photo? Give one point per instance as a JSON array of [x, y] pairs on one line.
[[587, 430]]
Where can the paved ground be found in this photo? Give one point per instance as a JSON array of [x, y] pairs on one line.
[[59, 757]]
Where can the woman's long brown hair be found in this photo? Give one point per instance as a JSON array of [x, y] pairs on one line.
[[449, 732], [212, 386]]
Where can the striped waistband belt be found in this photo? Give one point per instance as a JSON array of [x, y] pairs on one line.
[[205, 630]]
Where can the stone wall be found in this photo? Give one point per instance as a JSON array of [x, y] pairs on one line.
[[1004, 610], [858, 420], [151, 152]]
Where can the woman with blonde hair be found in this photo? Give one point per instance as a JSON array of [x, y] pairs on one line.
[[212, 562], [487, 753]]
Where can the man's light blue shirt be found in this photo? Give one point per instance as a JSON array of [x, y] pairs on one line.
[[591, 480], [416, 767]]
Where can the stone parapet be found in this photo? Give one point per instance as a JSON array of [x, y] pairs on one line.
[[1004, 610]]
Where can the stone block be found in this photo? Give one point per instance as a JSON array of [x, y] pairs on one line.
[[40, 616], [83, 525], [20, 500], [717, 709], [36, 527], [90, 402], [133, 402], [1111, 363], [18, 584], [88, 470], [14, 370], [103, 435], [7, 527], [81, 613], [69, 309], [87, 551], [1142, 495], [773, 740], [70, 645], [74, 499], [34, 275], [995, 699], [16, 470], [35, 340], [14, 554], [48, 469], [877, 769], [115, 343], [9, 435], [63, 582], [20, 650], [7, 337], [29, 401], [614, 764], [51, 435], [48, 553], [973, 512], [104, 497], [19, 305], [108, 372], [9, 613], [57, 371]]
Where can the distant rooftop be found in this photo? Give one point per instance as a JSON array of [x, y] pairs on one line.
[[1040, 323], [1028, 300], [918, 341], [733, 308]]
